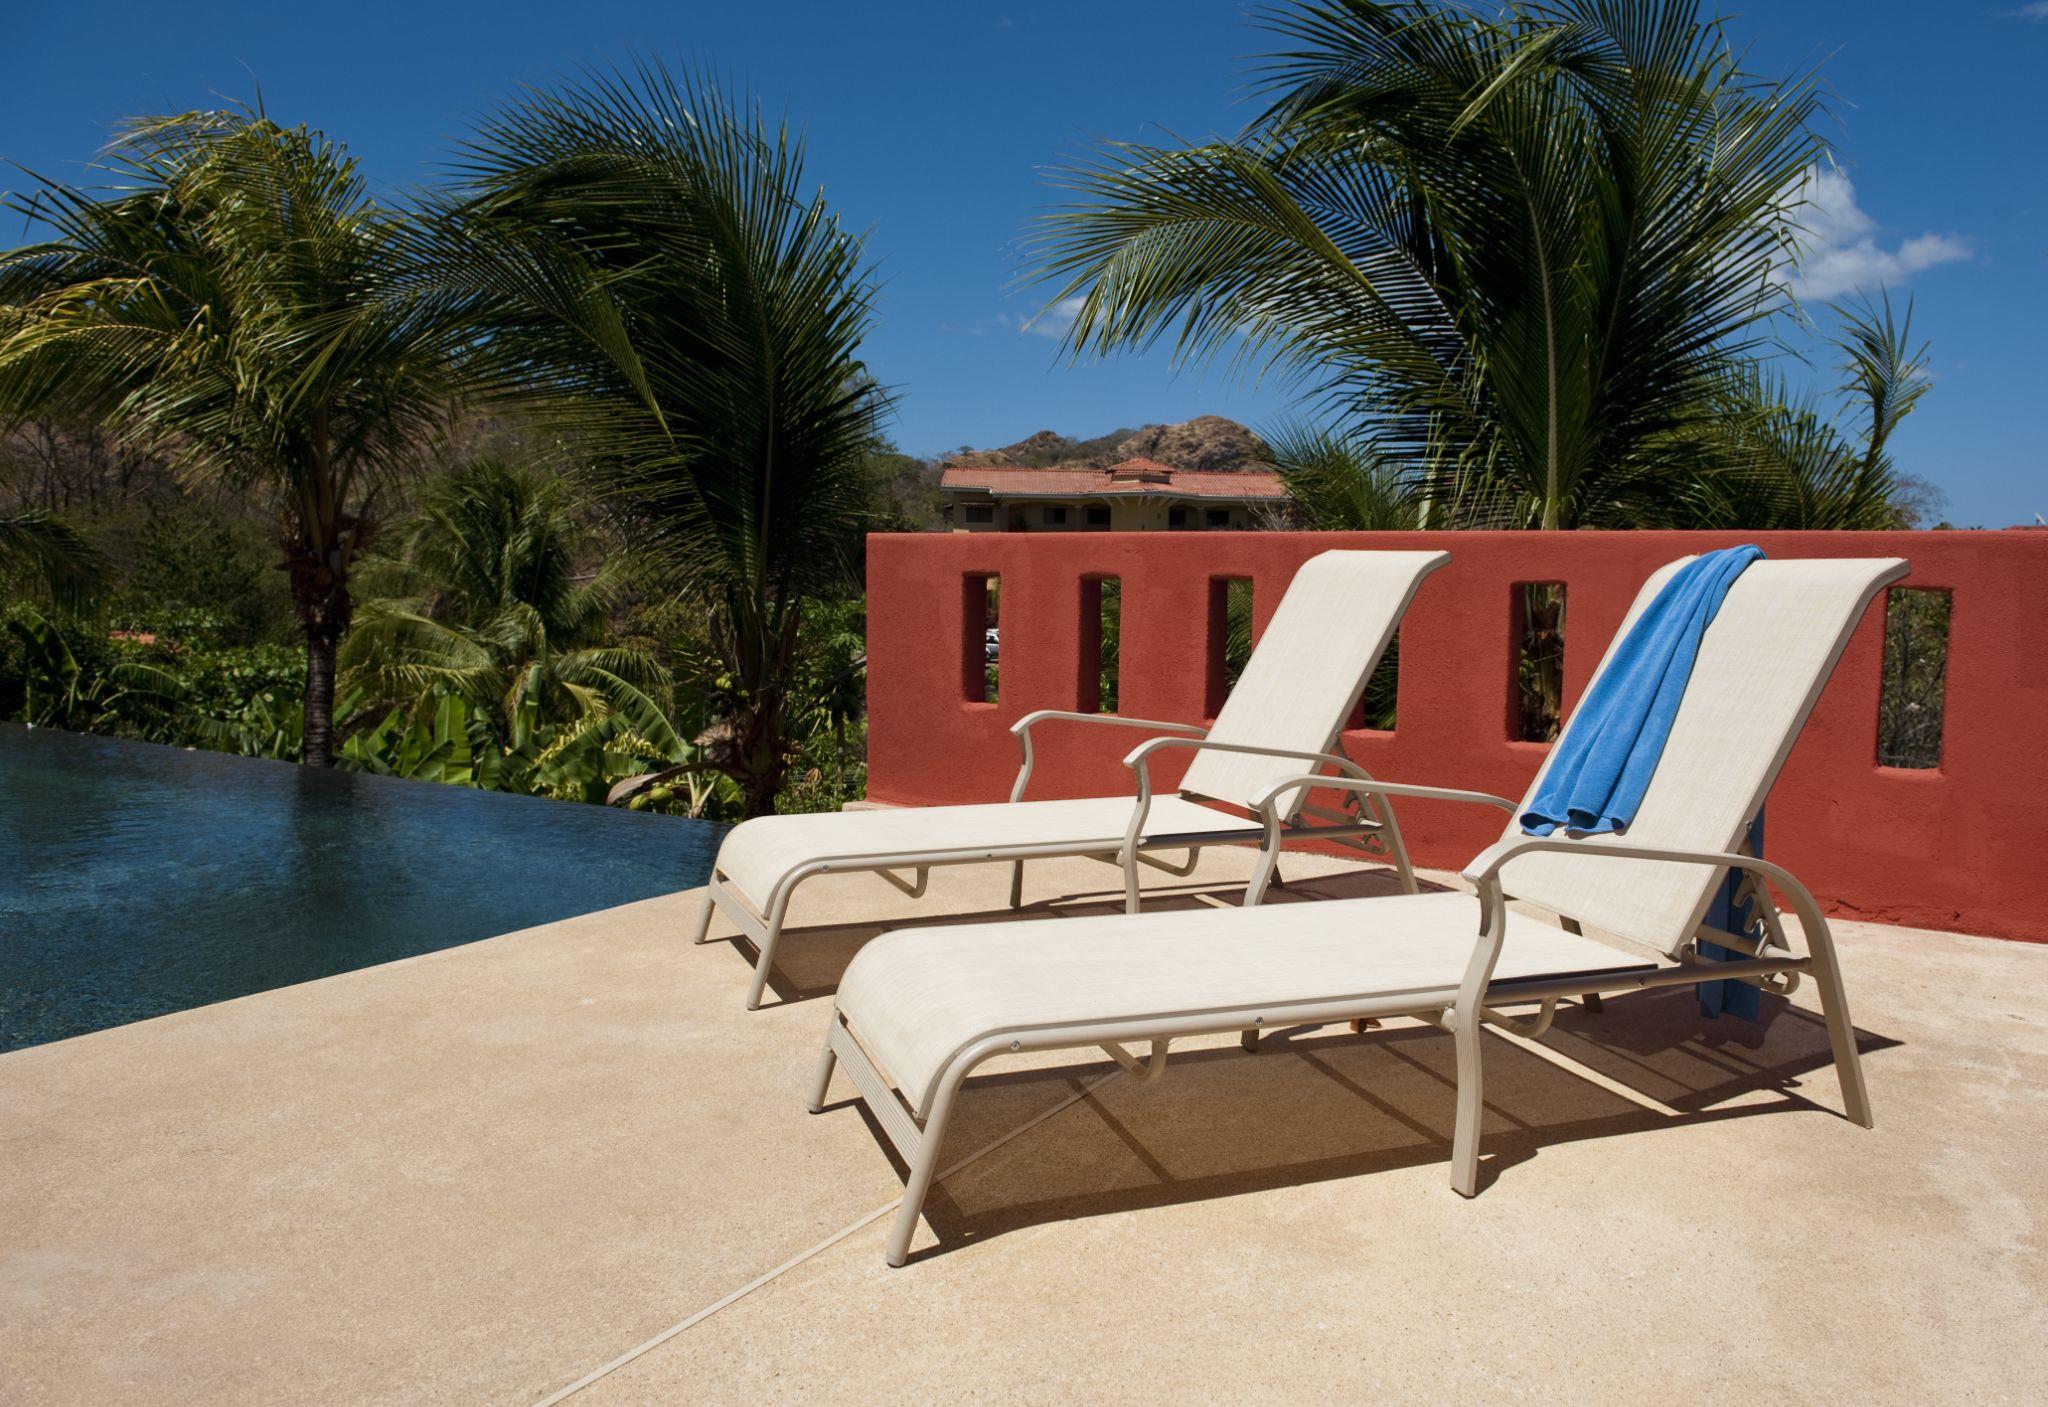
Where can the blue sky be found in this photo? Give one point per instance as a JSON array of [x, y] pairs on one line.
[[931, 127]]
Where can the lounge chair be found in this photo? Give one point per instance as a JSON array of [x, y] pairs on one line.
[[917, 1011], [1282, 718]]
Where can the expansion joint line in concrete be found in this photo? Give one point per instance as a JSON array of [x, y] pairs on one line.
[[827, 1244]]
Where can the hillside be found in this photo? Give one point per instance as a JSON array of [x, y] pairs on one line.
[[1206, 442]]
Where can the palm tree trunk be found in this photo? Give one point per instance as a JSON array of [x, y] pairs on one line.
[[320, 591], [318, 556], [758, 643], [319, 706], [763, 752], [757, 793]]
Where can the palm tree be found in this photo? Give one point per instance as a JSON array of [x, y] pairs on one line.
[[1513, 254], [225, 304], [1341, 482], [649, 271], [70, 567], [505, 620], [1773, 459]]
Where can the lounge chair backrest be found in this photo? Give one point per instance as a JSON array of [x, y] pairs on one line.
[[1309, 669], [1761, 666]]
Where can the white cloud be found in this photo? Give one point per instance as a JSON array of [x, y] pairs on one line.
[[1839, 248], [2036, 11], [1054, 321]]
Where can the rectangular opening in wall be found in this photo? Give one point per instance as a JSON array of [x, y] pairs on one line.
[[1230, 636], [980, 642], [1375, 709], [1536, 698], [1102, 611], [1911, 698]]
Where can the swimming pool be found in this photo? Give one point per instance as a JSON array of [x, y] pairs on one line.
[[137, 879]]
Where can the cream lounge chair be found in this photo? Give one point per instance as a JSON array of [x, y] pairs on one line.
[[1297, 690], [917, 1011]]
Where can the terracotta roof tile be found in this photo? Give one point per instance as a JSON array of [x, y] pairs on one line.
[[1139, 466], [1017, 480]]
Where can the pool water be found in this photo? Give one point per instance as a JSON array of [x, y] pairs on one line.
[[137, 879]]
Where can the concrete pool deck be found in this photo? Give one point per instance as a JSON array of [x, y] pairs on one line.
[[478, 1175]]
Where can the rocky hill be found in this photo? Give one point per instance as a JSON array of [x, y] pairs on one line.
[[1206, 442]]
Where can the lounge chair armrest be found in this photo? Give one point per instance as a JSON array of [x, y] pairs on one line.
[[1371, 787], [1141, 755], [1022, 728], [1115, 720], [1139, 760], [1484, 871]]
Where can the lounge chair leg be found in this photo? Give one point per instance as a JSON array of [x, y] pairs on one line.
[[1591, 1001], [827, 1062], [767, 961], [1397, 850], [1131, 882], [1017, 885], [921, 1171], [1265, 872], [1248, 1039], [1834, 1006], [704, 916], [1471, 1096]]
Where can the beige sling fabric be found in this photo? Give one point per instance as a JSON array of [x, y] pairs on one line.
[[1306, 675], [916, 997], [1760, 668], [1309, 669], [756, 856]]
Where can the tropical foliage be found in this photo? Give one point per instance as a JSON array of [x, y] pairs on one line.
[[457, 697], [647, 270], [568, 463], [1522, 262], [1775, 459], [68, 566], [225, 307], [59, 672], [501, 618]]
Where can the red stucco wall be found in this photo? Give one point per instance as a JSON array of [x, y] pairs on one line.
[[1963, 847]]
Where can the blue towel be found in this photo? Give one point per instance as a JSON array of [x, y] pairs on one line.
[[1728, 997], [1603, 764]]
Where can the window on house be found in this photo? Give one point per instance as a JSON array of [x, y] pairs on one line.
[[1217, 517], [978, 513], [1176, 517], [1053, 515], [1098, 517]]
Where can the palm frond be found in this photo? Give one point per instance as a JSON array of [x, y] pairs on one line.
[[1882, 369], [68, 565], [230, 300], [1514, 252], [1342, 484], [641, 251]]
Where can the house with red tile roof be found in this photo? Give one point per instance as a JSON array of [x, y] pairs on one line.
[[1138, 495]]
